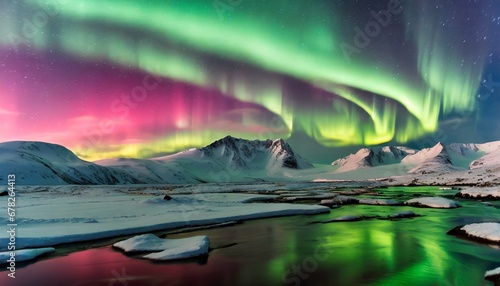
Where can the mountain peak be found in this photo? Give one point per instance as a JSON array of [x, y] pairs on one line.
[[228, 140], [247, 153], [438, 150], [430, 160], [280, 143], [439, 145]]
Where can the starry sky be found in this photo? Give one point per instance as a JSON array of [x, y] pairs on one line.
[[110, 78]]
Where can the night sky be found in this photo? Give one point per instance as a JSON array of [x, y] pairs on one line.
[[147, 78]]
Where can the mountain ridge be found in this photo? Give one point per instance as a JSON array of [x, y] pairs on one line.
[[438, 158], [232, 159], [54, 164], [226, 159]]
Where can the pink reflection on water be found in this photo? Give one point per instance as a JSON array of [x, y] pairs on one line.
[[106, 266]]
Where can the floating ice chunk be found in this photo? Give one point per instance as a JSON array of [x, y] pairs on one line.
[[433, 202], [485, 230], [169, 249], [493, 272], [493, 275]]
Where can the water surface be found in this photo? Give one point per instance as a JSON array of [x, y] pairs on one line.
[[298, 251]]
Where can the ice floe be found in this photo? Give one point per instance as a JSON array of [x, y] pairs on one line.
[[493, 272], [433, 202], [25, 254], [165, 249], [486, 230], [493, 275]]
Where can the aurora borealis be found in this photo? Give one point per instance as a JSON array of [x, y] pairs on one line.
[[143, 78]]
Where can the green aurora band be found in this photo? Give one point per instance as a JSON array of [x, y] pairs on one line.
[[371, 103]]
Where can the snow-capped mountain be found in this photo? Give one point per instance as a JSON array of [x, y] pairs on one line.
[[439, 158], [474, 155], [225, 160], [237, 160], [453, 157], [430, 160], [371, 157], [45, 163], [268, 154]]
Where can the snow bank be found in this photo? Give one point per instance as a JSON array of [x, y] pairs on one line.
[[433, 202], [169, 249], [60, 217], [25, 254], [486, 230], [492, 192]]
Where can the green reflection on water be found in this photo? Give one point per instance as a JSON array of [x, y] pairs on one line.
[[379, 252], [278, 265]]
